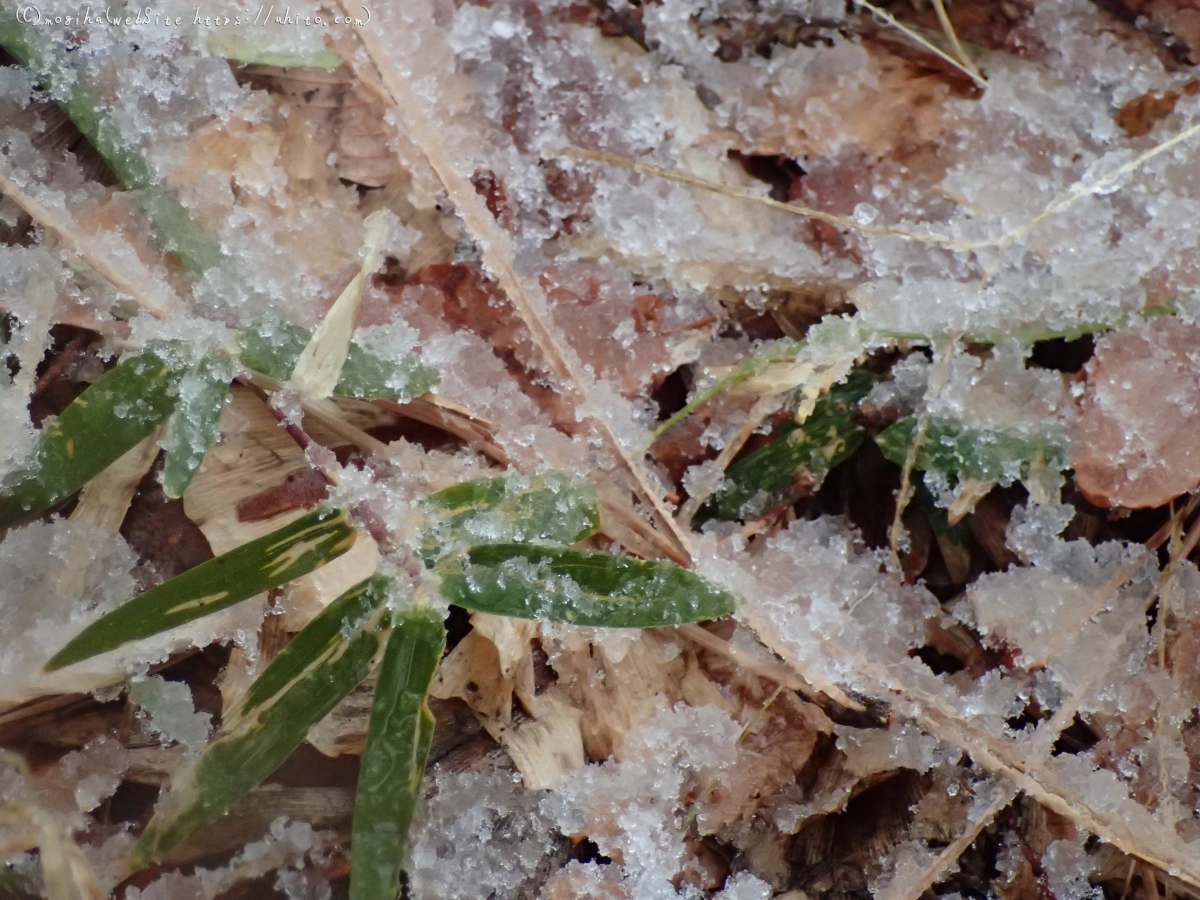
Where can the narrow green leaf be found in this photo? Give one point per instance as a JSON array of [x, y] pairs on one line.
[[121, 409], [195, 247], [192, 428], [254, 49], [398, 739], [962, 452], [274, 559], [799, 457], [308, 678], [544, 509], [561, 585], [272, 346]]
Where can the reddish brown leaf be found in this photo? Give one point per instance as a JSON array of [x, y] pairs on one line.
[[1135, 441]]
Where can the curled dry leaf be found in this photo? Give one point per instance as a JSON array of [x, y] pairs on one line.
[[1134, 444]]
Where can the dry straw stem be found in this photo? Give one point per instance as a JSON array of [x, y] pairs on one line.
[[157, 301], [781, 675], [644, 168], [1046, 736], [496, 248], [1079, 191], [1159, 846], [965, 66], [948, 29], [913, 887]]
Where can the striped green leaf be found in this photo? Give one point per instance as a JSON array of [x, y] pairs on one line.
[[274, 559], [961, 452], [121, 409], [799, 457], [50, 64], [272, 346], [544, 509], [308, 678], [398, 740], [562, 585], [192, 428]]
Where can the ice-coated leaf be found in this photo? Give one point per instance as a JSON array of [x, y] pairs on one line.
[[543, 509], [192, 428], [308, 678], [398, 739], [799, 455], [562, 585], [274, 559], [122, 408], [254, 49], [1133, 443], [195, 247], [272, 346], [962, 452]]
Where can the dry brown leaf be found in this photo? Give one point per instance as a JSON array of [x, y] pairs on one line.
[[774, 750], [545, 748], [472, 672], [896, 103], [618, 680], [1134, 445], [332, 112]]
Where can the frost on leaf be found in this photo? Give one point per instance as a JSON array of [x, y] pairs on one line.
[[1133, 445]]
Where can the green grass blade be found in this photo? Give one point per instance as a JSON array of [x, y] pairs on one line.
[[961, 452], [195, 247], [274, 559], [192, 428], [253, 49], [310, 676], [398, 739], [121, 409], [562, 585], [799, 455], [553, 509], [272, 346]]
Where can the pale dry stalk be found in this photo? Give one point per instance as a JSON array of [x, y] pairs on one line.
[[156, 300]]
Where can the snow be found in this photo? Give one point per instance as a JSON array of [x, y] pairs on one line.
[[169, 710], [479, 832], [974, 255]]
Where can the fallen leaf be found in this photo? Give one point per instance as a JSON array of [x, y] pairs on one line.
[[1134, 444]]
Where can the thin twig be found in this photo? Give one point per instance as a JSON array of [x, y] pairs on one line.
[[781, 675], [915, 886]]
